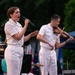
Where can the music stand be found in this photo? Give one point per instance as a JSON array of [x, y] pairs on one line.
[[26, 65]]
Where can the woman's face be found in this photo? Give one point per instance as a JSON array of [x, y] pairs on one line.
[[16, 15]]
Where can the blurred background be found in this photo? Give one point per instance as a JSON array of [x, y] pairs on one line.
[[39, 12]]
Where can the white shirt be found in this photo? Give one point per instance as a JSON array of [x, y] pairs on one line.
[[47, 32], [12, 28]]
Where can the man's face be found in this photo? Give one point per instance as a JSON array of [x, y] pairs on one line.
[[56, 22]]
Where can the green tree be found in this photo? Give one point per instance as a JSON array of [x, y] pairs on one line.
[[69, 55], [69, 23], [69, 20]]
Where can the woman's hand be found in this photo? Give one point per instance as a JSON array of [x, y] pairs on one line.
[[26, 22], [34, 33]]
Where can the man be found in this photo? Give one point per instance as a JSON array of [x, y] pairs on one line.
[[48, 41]]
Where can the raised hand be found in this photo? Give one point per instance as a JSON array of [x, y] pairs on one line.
[[26, 22], [34, 33]]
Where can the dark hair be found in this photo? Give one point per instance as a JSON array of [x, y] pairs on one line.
[[55, 17], [11, 10]]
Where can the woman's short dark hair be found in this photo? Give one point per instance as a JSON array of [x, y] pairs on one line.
[[11, 10], [55, 17]]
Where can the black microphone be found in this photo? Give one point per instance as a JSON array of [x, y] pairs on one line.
[[23, 18]]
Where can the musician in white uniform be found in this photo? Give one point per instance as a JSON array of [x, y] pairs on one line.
[[15, 40], [48, 42]]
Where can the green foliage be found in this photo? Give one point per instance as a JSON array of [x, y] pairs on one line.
[[69, 12], [69, 55], [69, 23]]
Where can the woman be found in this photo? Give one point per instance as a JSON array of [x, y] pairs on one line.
[[15, 39]]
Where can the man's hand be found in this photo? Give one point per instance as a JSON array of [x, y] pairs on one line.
[[70, 39], [52, 46]]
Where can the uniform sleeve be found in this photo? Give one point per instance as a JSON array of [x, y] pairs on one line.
[[42, 30], [10, 29]]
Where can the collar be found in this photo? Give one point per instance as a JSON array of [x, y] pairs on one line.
[[14, 23], [50, 26]]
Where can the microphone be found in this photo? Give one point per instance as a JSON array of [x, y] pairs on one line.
[[23, 18]]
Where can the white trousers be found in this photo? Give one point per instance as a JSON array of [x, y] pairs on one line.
[[48, 59], [14, 57]]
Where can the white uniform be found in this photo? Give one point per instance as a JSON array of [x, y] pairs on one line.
[[47, 57], [14, 50]]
